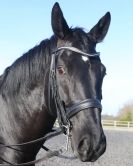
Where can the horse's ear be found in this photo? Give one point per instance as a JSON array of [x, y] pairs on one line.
[[99, 31], [59, 24]]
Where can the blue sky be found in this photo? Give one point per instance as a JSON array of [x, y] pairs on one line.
[[25, 23]]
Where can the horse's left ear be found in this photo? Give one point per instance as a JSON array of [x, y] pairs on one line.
[[59, 24], [99, 31]]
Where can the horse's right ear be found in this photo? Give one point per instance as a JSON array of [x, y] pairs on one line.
[[59, 24]]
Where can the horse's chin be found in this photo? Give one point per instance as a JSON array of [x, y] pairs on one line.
[[85, 159]]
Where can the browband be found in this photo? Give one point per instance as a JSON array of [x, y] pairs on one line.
[[74, 49]]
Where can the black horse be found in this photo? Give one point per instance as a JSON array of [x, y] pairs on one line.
[[31, 99]]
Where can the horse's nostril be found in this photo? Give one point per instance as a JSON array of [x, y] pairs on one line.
[[90, 149]]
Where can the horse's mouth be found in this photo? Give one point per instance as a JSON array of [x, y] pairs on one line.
[[89, 156], [92, 157]]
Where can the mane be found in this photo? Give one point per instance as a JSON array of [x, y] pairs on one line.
[[29, 68]]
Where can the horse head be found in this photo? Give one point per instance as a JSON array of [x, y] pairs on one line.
[[79, 77]]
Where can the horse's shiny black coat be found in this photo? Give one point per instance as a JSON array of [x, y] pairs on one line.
[[24, 113]]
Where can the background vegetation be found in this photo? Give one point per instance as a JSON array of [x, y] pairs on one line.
[[124, 114]]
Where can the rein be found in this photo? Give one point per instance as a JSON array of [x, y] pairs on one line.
[[46, 137], [48, 155]]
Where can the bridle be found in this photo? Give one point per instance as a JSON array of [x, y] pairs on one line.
[[65, 113]]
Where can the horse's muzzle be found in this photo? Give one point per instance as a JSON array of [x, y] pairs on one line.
[[88, 150]]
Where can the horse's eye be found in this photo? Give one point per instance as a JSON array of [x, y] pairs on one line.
[[61, 70]]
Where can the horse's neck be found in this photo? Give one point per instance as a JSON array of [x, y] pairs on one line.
[[27, 113], [23, 112]]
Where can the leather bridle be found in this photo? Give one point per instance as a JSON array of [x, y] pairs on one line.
[[65, 113]]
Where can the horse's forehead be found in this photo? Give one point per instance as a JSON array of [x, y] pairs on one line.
[[80, 36], [63, 43], [77, 38]]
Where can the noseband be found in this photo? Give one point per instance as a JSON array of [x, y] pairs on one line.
[[65, 113]]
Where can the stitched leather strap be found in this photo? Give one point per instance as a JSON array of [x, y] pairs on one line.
[[81, 105]]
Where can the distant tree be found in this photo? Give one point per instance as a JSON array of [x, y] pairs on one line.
[[108, 117], [126, 112]]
